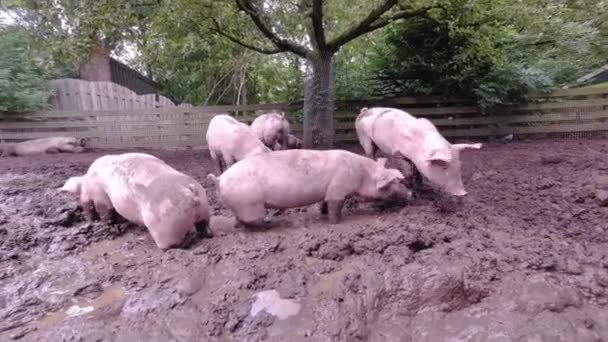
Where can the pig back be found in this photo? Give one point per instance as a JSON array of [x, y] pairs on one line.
[[287, 178], [125, 177], [395, 130]]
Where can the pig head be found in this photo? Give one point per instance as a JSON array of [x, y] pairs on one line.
[[386, 184], [272, 129], [442, 166]]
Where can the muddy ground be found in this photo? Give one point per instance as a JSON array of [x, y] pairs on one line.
[[523, 257]]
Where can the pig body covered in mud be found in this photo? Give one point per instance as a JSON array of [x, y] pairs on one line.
[[272, 129], [146, 191], [295, 178], [399, 134], [43, 145], [230, 141]]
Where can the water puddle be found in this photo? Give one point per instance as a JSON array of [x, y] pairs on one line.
[[110, 295], [271, 302]]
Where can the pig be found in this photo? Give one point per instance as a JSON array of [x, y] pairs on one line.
[[146, 191], [293, 143], [229, 141], [43, 145], [399, 134], [272, 129], [295, 178]]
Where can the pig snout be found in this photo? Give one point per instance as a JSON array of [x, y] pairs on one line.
[[456, 189], [460, 193]]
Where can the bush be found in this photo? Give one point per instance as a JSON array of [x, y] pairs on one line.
[[23, 86], [493, 51]]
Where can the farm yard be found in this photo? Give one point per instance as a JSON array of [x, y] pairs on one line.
[[485, 220], [524, 256]]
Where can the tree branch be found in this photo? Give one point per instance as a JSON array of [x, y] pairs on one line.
[[237, 41], [362, 27], [397, 16], [375, 21], [283, 45], [317, 23]]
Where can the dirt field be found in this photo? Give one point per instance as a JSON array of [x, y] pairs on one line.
[[523, 257]]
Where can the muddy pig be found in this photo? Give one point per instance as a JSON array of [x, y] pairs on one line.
[[296, 178], [401, 135], [293, 143], [43, 145], [146, 191], [272, 129], [230, 141]]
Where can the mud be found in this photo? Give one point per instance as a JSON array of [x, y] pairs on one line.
[[523, 257]]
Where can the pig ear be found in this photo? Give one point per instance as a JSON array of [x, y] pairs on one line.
[[387, 178], [440, 163], [461, 147], [382, 161], [442, 155], [440, 158]]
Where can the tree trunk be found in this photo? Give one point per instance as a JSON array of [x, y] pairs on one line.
[[97, 65], [319, 99]]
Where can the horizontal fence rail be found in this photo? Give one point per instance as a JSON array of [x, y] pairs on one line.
[[564, 111]]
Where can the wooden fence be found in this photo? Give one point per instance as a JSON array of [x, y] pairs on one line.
[[74, 94], [565, 111]]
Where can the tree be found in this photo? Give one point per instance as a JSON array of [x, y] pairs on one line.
[[495, 51], [84, 33], [305, 29], [205, 69], [23, 86]]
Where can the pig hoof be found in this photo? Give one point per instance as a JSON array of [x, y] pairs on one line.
[[202, 230]]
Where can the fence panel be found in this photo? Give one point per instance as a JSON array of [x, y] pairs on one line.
[[185, 126]]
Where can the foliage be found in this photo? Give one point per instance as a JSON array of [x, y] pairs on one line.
[[68, 30], [22, 84], [202, 68], [494, 51]]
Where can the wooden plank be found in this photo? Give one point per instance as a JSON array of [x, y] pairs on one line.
[[91, 123], [148, 143], [558, 105], [480, 132], [404, 100], [99, 134], [525, 118], [168, 110], [572, 92], [420, 111]]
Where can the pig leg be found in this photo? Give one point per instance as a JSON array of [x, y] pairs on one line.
[[251, 216], [203, 230], [334, 209], [105, 211], [217, 161], [323, 208], [88, 206], [368, 145], [52, 150]]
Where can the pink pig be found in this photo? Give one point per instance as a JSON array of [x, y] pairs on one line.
[[230, 140], [399, 134], [146, 191], [295, 178]]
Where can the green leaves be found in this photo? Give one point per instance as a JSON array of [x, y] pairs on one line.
[[22, 84], [495, 51]]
